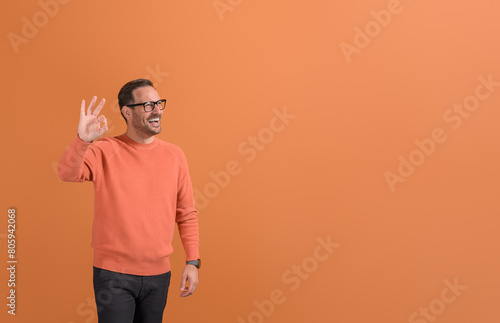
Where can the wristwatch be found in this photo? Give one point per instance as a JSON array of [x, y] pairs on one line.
[[196, 263]]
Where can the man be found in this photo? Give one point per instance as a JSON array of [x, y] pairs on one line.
[[142, 188]]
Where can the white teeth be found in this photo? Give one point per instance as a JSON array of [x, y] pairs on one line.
[[157, 119]]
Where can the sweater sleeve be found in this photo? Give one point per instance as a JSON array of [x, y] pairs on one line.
[[186, 214], [77, 163]]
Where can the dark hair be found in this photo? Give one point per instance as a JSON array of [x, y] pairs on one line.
[[125, 96]]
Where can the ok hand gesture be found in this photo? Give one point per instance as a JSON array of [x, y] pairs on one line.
[[91, 126]]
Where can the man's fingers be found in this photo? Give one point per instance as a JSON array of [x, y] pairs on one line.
[[82, 109], [91, 105], [102, 118], [186, 291], [102, 123], [99, 107], [191, 282], [191, 288], [103, 129], [183, 282]]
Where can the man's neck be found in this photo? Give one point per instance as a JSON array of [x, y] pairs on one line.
[[139, 137]]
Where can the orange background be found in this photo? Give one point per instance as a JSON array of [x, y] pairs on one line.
[[323, 175]]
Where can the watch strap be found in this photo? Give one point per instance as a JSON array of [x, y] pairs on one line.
[[196, 263]]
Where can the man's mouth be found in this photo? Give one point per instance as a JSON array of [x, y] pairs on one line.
[[154, 122]]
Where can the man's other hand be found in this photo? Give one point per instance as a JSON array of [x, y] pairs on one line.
[[189, 280]]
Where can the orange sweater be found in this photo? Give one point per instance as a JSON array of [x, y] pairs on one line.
[[140, 192]]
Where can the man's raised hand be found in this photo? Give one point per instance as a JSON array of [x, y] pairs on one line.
[[91, 125]]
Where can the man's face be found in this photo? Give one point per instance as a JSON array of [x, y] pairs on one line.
[[146, 123]]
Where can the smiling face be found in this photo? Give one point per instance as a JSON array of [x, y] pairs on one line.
[[141, 123]]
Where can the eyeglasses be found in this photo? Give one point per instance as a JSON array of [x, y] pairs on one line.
[[150, 105]]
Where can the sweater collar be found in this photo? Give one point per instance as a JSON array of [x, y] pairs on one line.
[[136, 144]]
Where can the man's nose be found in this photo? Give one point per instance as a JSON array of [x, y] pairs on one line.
[[157, 109]]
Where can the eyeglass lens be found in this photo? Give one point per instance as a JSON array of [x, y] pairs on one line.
[[149, 106]]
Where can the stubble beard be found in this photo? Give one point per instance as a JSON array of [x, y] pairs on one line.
[[145, 128]]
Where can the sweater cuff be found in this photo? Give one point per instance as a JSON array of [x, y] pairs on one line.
[[81, 140], [192, 252]]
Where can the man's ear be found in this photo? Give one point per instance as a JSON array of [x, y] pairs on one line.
[[127, 112]]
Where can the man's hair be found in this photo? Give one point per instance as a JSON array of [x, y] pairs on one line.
[[125, 96]]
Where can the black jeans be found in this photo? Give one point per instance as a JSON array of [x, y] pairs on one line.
[[124, 298]]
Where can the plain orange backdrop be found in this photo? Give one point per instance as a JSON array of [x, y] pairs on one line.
[[225, 68]]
